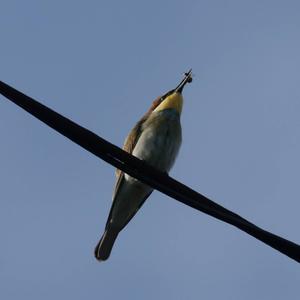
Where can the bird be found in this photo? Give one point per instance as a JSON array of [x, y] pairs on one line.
[[155, 139]]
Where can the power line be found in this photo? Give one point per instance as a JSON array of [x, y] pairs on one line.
[[142, 171]]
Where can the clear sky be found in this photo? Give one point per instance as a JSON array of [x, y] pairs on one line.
[[102, 63]]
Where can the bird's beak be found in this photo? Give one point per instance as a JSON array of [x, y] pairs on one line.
[[184, 81]]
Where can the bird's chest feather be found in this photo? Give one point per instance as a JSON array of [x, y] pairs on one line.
[[160, 139]]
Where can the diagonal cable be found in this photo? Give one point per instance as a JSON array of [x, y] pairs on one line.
[[142, 171]]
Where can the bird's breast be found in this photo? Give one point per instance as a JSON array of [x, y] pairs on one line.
[[160, 139]]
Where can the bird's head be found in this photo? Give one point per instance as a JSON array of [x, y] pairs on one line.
[[173, 99]]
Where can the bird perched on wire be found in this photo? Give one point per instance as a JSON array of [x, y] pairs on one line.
[[156, 139]]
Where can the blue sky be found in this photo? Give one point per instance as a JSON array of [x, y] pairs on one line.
[[102, 63]]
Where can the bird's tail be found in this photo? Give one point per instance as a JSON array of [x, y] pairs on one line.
[[103, 248]]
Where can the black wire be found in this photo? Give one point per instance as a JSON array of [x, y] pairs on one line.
[[142, 171]]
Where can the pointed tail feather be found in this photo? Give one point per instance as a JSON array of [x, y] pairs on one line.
[[103, 248]]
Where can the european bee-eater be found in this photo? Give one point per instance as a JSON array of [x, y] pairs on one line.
[[156, 139]]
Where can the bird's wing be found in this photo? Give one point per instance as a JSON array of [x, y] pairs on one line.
[[128, 146], [133, 213]]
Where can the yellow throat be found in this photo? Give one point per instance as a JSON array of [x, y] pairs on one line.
[[174, 101]]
